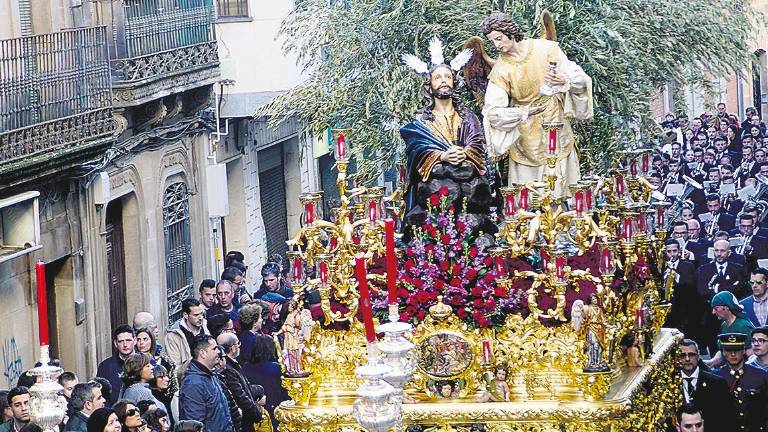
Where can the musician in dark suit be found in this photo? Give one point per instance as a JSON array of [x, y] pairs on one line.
[[721, 220], [683, 273], [748, 385], [754, 211], [703, 388]]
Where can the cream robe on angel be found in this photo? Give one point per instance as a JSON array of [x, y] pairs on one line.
[[513, 88]]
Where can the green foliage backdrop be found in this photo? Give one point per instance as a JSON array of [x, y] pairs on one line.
[[351, 51]]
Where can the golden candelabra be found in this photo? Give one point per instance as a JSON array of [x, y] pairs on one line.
[[556, 374]]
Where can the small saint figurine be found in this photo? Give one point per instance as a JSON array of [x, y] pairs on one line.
[[631, 345], [293, 332], [590, 322], [496, 388]]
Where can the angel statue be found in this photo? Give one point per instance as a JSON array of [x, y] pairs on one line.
[[531, 84], [445, 145], [589, 320]]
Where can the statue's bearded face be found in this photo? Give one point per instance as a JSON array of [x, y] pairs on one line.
[[441, 82]]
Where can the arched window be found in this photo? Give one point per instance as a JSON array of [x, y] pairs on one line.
[[178, 250]]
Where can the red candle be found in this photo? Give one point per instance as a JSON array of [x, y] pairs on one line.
[[628, 228], [524, 198], [501, 266], [645, 163], [486, 352], [42, 302], [588, 197], [323, 268], [365, 298], [606, 264], [639, 316], [620, 184], [544, 259], [341, 147], [389, 239], [560, 266], [509, 205], [372, 211], [402, 174], [578, 198], [309, 212], [552, 143], [641, 225], [298, 268], [659, 218], [334, 243]]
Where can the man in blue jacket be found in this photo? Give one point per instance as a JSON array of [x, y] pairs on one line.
[[201, 396], [124, 340]]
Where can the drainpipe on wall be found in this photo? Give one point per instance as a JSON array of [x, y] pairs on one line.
[[740, 95]]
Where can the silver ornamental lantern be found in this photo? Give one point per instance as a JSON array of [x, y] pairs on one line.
[[375, 410], [396, 353], [47, 406]]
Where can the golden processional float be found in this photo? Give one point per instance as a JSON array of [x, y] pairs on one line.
[[555, 327]]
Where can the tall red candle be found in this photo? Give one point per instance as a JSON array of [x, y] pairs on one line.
[[486, 352], [309, 212], [641, 222], [509, 205], [524, 198], [633, 167], [42, 302], [659, 218], [628, 228], [298, 268], [323, 269], [334, 243], [640, 318], [620, 184], [605, 260], [341, 147], [389, 240], [501, 266], [373, 211], [544, 259], [588, 197], [578, 199], [365, 298], [560, 266], [552, 142], [645, 163]]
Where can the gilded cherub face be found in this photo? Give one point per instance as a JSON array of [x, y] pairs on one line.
[[501, 375]]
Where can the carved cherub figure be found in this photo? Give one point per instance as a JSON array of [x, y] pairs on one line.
[[496, 387]]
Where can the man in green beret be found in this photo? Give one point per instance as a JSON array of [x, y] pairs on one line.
[[727, 309], [748, 385]]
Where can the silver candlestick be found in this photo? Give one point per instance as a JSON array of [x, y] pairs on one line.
[[47, 406], [396, 353], [375, 410]]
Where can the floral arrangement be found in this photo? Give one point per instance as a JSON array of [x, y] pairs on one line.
[[446, 259]]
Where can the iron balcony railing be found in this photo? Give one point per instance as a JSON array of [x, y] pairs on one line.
[[54, 93], [159, 45]]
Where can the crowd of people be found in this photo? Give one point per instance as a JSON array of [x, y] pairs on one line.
[[713, 170], [216, 369]]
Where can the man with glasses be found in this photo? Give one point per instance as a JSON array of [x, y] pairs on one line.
[[756, 306], [759, 358], [748, 384], [178, 341], [237, 383], [201, 397], [704, 389]]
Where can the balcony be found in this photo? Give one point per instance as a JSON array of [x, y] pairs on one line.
[[161, 47], [55, 100]]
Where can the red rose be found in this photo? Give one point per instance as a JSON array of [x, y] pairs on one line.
[[456, 270], [429, 249], [409, 251], [402, 293], [421, 314], [445, 239], [484, 322], [410, 311], [476, 291], [488, 278], [404, 317], [461, 226], [455, 300], [409, 265], [471, 273], [418, 283], [500, 291], [487, 261], [443, 191], [462, 313], [456, 282], [490, 304], [422, 297], [444, 264], [472, 251], [434, 200], [478, 303], [439, 285], [477, 315]]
